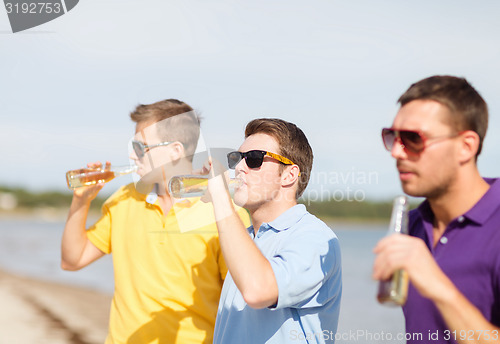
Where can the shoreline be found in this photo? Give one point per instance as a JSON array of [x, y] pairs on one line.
[[60, 215], [48, 215], [36, 311]]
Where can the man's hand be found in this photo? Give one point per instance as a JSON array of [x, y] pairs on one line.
[[213, 169], [89, 193], [411, 254]]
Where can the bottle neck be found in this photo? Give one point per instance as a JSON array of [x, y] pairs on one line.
[[399, 217], [121, 170]]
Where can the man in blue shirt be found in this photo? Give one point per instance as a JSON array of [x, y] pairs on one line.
[[284, 281], [452, 255]]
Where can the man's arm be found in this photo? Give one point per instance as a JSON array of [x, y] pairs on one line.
[[411, 254], [250, 270], [76, 249]]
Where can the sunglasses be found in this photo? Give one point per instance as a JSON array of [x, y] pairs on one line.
[[140, 148], [412, 141], [254, 158]]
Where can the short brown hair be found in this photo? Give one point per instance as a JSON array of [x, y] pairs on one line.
[[469, 110], [292, 143], [185, 129]]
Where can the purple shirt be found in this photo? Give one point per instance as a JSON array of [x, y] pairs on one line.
[[469, 254]]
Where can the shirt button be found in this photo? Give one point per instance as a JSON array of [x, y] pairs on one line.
[[151, 198], [461, 219], [443, 240]]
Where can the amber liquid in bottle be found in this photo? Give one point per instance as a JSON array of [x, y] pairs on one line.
[[91, 176], [394, 291], [193, 186]]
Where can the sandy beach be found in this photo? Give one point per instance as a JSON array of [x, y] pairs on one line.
[[34, 311]]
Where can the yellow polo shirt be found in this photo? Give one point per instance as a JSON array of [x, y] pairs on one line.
[[168, 271]]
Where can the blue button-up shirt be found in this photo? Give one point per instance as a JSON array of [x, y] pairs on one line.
[[469, 254], [305, 257]]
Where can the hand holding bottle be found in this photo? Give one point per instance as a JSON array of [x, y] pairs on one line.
[[394, 290], [87, 192], [196, 184], [411, 254]]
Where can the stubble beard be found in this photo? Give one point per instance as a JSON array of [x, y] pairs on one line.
[[430, 192]]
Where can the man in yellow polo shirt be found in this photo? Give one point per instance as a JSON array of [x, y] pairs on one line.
[[168, 277]]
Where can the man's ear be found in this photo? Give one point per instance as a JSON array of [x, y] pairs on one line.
[[290, 175], [177, 151], [469, 144]]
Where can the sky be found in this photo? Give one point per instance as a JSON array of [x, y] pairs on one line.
[[334, 68]]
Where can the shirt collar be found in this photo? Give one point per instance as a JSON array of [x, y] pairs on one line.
[[425, 211], [480, 212], [282, 222], [487, 205], [288, 218]]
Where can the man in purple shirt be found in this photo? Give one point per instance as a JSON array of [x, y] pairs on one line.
[[452, 255]]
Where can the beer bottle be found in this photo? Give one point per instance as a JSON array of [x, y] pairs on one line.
[[393, 292]]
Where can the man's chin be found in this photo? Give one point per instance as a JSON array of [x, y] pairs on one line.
[[146, 183], [240, 201], [154, 177], [240, 198], [411, 190]]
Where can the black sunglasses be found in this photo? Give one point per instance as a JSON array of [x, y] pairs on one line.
[[140, 148], [254, 158], [413, 141]]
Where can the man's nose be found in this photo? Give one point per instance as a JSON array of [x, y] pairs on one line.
[[241, 166], [132, 155], [398, 149]]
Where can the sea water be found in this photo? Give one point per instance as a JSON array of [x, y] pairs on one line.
[[32, 248]]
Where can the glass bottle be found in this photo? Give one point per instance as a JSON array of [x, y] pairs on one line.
[[393, 292], [91, 176], [185, 186]]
